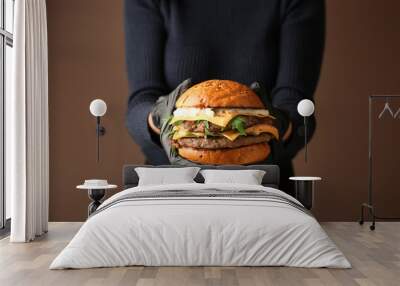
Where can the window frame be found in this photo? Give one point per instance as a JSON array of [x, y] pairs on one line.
[[6, 39]]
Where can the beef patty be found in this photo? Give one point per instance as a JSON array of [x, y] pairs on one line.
[[221, 142], [200, 126]]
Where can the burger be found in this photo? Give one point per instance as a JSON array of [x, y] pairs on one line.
[[221, 122]]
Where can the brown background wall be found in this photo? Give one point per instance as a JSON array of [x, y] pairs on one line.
[[86, 61]]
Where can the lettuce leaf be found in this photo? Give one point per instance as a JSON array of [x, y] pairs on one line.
[[238, 124]]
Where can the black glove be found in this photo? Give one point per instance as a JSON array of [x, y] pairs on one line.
[[163, 111], [159, 109], [282, 122], [165, 105]]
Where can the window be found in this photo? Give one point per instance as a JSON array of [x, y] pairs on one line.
[[6, 63]]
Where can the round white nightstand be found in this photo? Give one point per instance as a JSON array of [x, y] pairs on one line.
[[304, 189], [96, 194]]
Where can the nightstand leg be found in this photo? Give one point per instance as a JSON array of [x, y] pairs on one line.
[[93, 207], [305, 193], [96, 196]]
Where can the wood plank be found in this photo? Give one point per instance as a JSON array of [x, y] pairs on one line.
[[375, 257]]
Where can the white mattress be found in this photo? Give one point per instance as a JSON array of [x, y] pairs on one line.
[[202, 231]]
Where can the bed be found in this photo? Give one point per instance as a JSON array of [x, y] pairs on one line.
[[199, 224]]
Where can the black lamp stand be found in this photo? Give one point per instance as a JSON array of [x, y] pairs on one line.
[[100, 131], [305, 139]]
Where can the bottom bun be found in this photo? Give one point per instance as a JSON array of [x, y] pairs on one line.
[[237, 156]]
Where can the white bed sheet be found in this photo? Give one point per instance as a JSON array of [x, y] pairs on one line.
[[200, 232]]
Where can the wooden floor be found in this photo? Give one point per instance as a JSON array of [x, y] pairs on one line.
[[375, 257]]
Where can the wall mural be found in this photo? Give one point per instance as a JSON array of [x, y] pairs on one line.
[[218, 122], [240, 106]]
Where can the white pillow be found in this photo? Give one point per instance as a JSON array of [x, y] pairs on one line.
[[248, 177], [164, 176]]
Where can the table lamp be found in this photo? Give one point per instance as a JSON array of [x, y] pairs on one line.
[[304, 185], [305, 108], [98, 108]]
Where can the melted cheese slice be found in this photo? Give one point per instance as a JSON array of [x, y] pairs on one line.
[[221, 117], [217, 120], [254, 130], [231, 135], [263, 128], [185, 134]]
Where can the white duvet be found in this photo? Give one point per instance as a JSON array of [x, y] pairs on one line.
[[200, 231]]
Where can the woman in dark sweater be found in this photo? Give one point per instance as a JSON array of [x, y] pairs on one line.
[[278, 43]]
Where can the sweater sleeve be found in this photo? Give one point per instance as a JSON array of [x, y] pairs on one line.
[[302, 38], [144, 44]]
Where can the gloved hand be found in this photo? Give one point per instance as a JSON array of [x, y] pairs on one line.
[[282, 122], [163, 111], [165, 105]]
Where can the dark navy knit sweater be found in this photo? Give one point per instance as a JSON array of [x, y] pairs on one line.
[[278, 43]]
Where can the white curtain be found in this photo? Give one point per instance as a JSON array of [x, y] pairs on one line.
[[27, 143]]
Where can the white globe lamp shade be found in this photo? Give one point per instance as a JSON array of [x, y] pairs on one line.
[[305, 108], [98, 107]]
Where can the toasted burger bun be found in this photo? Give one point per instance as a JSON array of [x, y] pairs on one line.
[[219, 94], [238, 156]]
